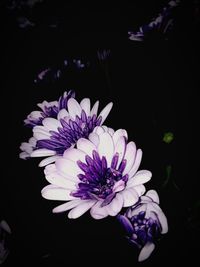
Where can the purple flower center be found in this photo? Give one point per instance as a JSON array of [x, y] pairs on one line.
[[100, 181], [69, 133], [144, 230]]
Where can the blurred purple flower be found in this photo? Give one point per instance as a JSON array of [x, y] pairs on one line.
[[24, 22], [78, 63], [161, 24]]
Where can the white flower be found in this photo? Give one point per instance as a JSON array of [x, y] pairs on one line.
[[54, 136], [100, 175]]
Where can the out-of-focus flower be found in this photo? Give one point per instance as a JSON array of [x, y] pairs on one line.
[[100, 175], [54, 136], [144, 223], [160, 25], [24, 22], [43, 73], [78, 63], [48, 109], [4, 230]]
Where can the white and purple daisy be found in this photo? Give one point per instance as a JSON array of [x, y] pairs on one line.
[[100, 175], [54, 136], [144, 223], [48, 109]]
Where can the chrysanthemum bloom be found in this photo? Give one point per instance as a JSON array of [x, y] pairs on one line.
[[144, 223], [48, 109], [54, 136], [100, 175]]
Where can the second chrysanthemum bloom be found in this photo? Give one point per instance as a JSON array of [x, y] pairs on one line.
[[54, 134], [100, 175]]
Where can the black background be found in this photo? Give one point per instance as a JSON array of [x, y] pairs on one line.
[[151, 85]]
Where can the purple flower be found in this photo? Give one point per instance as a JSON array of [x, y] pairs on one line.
[[161, 24], [54, 136], [48, 109], [100, 175], [144, 223]]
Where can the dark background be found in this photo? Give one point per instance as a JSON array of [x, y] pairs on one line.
[[152, 86]]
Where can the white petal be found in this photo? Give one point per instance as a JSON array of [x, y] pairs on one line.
[[119, 186], [94, 138], [73, 108], [118, 134], [41, 136], [24, 155], [140, 189], [110, 131], [86, 146], [153, 195], [94, 110], [129, 156], [51, 124], [35, 115], [162, 218], [32, 141], [120, 148], [74, 154], [50, 168], [140, 177], [136, 164], [67, 206], [56, 179], [68, 168], [42, 152], [98, 212], [115, 206], [40, 132], [130, 197], [52, 192], [104, 113], [130, 213], [146, 251], [42, 105], [26, 147], [105, 128], [106, 147], [85, 105], [81, 209], [62, 114], [48, 160], [163, 222], [98, 130]]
